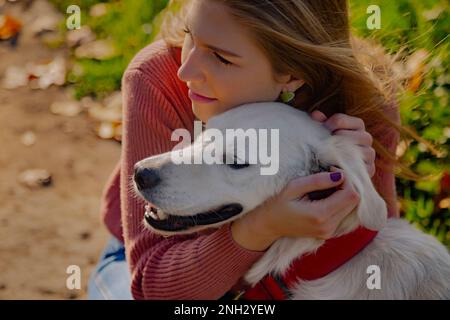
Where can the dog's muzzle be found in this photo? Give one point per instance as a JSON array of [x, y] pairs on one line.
[[147, 178]]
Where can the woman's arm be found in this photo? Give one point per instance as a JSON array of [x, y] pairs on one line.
[[179, 267]]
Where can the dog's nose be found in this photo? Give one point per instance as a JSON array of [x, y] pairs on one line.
[[146, 178]]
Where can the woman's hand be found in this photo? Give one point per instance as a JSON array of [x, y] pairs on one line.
[[292, 214], [354, 128]]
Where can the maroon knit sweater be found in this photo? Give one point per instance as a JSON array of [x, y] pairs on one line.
[[204, 265]]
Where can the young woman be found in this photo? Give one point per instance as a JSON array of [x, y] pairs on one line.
[[230, 53]]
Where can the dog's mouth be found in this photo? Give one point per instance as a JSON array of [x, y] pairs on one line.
[[160, 220]]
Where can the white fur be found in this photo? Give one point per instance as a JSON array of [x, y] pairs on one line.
[[413, 265]]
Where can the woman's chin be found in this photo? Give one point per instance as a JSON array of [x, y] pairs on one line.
[[200, 114]]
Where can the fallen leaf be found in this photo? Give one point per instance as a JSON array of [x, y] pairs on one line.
[[80, 36], [118, 132], [114, 101], [48, 74], [15, 77], [66, 108], [88, 102], [105, 130], [28, 138], [100, 50], [98, 10], [53, 39], [109, 130], [9, 27], [45, 23], [108, 114], [101, 113], [109, 111], [34, 178]]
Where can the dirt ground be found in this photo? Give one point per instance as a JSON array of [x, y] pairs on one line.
[[45, 230]]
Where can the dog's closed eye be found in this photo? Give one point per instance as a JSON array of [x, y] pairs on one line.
[[236, 164]]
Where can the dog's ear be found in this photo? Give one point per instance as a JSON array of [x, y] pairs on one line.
[[341, 152]]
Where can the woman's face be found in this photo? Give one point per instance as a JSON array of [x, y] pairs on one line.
[[220, 61]]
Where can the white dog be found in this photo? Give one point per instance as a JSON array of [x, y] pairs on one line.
[[189, 198]]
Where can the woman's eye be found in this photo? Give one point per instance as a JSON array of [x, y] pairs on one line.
[[186, 30], [222, 60]]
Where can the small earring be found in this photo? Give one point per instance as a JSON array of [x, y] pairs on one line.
[[287, 96]]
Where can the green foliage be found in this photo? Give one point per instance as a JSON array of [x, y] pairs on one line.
[[410, 26]]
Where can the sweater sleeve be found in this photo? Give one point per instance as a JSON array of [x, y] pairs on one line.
[[198, 266], [110, 203], [384, 178]]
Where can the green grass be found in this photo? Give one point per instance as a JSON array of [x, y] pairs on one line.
[[124, 23]]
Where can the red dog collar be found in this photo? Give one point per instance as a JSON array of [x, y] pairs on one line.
[[330, 256]]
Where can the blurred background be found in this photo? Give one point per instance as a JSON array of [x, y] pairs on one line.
[[60, 125]]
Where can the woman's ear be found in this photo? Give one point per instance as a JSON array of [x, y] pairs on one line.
[[290, 83], [294, 85]]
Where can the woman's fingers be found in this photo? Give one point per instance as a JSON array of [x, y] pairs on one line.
[[343, 121], [362, 138], [369, 156], [339, 204], [318, 116], [371, 169], [292, 214], [299, 187]]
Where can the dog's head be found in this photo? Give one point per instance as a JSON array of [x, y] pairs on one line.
[[188, 197]]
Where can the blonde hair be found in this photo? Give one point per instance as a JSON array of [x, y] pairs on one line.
[[311, 40]]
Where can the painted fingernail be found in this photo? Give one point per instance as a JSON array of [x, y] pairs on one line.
[[335, 176]]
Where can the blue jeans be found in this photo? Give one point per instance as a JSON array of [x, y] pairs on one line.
[[111, 279]]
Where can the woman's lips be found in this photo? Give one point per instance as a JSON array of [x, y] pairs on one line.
[[197, 97]]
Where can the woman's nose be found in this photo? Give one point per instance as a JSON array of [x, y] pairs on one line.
[[190, 69]]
